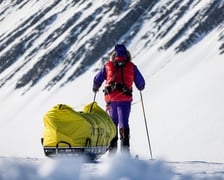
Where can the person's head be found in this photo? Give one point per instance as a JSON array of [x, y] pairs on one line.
[[120, 53]]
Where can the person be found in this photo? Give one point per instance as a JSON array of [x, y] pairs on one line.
[[119, 73]]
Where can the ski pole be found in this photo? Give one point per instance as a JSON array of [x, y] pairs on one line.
[[94, 99], [143, 109]]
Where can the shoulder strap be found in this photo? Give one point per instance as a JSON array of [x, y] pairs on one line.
[[122, 74], [117, 67], [115, 74]]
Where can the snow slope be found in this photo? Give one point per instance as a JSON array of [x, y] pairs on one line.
[[183, 100]]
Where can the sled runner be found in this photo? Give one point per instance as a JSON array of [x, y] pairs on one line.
[[70, 133]]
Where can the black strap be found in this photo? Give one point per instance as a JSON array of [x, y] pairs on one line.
[[122, 75], [115, 74], [117, 67]]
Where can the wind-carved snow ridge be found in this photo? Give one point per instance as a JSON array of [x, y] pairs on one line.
[[122, 167], [70, 36]]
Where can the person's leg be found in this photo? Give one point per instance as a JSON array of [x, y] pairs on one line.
[[125, 136], [124, 109], [113, 145], [112, 109]]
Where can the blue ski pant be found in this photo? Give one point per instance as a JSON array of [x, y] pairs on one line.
[[119, 113]]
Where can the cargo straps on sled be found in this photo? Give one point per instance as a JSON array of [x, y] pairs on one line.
[[118, 85]]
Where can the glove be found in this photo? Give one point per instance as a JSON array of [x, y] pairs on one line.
[[95, 89], [140, 88]]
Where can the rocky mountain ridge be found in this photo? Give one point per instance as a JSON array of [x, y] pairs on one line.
[[67, 37]]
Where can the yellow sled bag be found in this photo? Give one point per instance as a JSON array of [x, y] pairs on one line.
[[64, 128]]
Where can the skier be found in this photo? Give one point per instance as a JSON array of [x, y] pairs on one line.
[[119, 74]]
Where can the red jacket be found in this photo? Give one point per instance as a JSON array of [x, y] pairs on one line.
[[128, 79]]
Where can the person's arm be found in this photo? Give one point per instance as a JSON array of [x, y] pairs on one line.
[[138, 79], [98, 79]]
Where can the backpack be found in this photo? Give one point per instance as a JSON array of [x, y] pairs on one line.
[[119, 57]]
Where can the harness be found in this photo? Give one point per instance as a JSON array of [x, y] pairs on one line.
[[118, 85]]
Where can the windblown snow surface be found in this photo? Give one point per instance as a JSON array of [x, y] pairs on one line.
[[121, 167], [183, 101]]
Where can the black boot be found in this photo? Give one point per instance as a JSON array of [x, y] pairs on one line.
[[113, 146], [124, 135]]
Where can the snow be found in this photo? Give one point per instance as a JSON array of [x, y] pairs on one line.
[[183, 100], [121, 167]]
